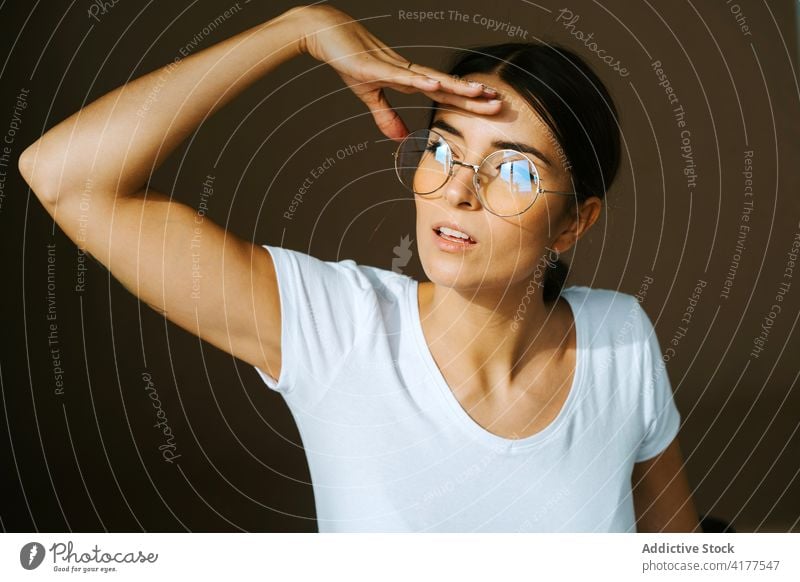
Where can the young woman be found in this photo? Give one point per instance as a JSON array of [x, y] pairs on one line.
[[488, 399]]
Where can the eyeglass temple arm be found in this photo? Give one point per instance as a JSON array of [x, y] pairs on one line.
[[557, 192]]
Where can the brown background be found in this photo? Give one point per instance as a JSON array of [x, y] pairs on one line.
[[88, 460]]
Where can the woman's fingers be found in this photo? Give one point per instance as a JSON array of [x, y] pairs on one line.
[[427, 79], [443, 89], [475, 100], [478, 106], [456, 85]]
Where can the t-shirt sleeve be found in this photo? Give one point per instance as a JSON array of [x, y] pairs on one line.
[[321, 303], [661, 416]]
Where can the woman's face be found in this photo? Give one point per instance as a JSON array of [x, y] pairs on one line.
[[506, 250]]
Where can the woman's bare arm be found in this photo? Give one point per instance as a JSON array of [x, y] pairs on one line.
[[662, 496], [91, 171]]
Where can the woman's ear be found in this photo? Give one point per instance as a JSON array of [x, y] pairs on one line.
[[589, 213], [579, 218]]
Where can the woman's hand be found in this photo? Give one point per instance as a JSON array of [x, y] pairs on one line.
[[367, 66]]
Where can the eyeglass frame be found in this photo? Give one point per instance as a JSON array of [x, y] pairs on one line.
[[475, 168]]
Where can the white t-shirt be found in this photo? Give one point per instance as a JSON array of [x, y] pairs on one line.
[[390, 448]]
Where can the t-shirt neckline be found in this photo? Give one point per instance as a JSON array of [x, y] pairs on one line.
[[454, 406]]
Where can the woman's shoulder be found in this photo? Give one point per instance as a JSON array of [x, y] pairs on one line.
[[598, 298], [611, 310]]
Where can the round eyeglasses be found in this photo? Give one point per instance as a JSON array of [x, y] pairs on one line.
[[506, 182]]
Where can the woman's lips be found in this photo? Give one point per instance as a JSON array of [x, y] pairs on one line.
[[452, 244], [455, 231]]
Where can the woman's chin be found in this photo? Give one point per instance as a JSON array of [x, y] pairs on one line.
[[459, 274], [455, 274]]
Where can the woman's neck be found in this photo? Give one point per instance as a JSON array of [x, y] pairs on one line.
[[495, 333]]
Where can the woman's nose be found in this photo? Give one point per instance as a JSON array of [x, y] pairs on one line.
[[460, 189]]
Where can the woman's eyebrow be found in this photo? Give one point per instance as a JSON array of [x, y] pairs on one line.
[[522, 147], [442, 124], [508, 145]]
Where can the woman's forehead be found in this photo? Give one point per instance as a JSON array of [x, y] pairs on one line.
[[516, 120]]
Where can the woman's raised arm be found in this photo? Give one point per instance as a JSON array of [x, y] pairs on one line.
[[91, 171]]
